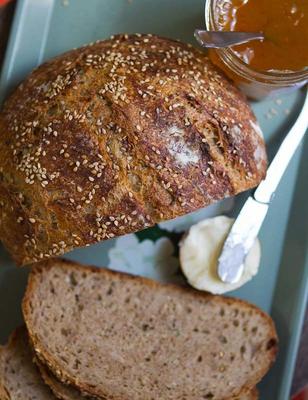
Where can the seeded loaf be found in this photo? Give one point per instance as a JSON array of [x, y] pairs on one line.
[[116, 136], [116, 336], [19, 377]]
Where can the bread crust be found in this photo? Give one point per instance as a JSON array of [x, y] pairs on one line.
[[116, 136], [49, 360], [59, 389], [252, 395]]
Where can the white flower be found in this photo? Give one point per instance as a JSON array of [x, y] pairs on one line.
[[155, 260], [182, 224]]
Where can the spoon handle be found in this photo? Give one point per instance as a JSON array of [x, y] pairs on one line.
[[219, 39]]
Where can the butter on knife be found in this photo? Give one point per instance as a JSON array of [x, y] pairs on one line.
[[199, 252]]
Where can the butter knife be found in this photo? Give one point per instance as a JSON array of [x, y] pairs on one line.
[[249, 221]]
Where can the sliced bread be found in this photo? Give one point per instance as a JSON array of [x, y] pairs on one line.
[[19, 377], [68, 392], [120, 337], [61, 390]]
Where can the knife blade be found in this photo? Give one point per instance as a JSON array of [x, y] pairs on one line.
[[250, 219]]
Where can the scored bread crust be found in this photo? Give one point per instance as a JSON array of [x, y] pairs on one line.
[[116, 136], [50, 361]]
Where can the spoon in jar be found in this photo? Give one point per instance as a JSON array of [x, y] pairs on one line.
[[219, 39]]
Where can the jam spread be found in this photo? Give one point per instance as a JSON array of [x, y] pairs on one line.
[[284, 24]]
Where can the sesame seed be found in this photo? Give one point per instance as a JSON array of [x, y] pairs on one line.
[[32, 220]]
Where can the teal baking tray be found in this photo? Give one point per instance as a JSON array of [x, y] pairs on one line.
[[44, 28]]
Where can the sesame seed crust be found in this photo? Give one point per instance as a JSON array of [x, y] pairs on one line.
[[116, 136]]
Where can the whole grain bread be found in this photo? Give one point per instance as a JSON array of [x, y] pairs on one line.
[[19, 377], [68, 392], [116, 136], [117, 336]]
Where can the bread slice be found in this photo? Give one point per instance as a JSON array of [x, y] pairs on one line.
[[68, 392], [19, 377], [60, 390], [117, 336]]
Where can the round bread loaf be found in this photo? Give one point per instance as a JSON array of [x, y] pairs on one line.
[[116, 136]]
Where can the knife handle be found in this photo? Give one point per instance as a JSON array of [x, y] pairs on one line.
[[267, 187]]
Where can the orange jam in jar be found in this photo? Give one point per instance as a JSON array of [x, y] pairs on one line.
[[263, 67]]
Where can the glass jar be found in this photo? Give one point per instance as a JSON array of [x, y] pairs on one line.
[[255, 84]]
